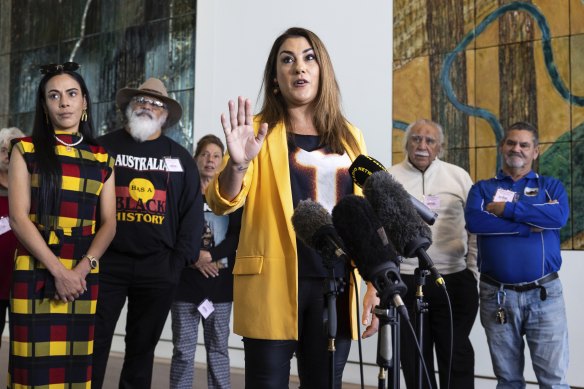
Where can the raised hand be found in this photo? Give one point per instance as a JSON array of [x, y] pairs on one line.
[[242, 142]]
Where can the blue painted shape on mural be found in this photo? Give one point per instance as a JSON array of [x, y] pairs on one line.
[[399, 125], [548, 59], [562, 160]]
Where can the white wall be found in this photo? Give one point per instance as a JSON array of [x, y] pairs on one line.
[[233, 41], [234, 38]]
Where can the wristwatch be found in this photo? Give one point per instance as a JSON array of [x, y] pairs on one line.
[[92, 260]]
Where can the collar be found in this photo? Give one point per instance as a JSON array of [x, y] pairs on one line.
[[531, 175], [63, 132], [433, 166]]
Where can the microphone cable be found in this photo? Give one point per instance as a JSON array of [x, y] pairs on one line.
[[413, 332], [360, 348]]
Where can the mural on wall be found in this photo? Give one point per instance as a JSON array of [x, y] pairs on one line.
[[117, 44], [477, 66]]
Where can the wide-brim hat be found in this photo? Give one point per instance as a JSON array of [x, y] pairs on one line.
[[155, 88]]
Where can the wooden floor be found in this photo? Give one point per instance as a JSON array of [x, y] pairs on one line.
[[160, 373]]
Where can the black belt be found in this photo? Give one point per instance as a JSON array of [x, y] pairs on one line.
[[520, 287]]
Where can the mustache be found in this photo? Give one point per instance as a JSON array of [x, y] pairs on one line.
[[422, 153], [142, 112]]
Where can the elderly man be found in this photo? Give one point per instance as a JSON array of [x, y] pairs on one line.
[[443, 188], [517, 217], [160, 222]]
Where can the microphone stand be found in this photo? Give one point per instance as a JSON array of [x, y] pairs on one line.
[[388, 355], [421, 311], [331, 288], [417, 247], [386, 359]]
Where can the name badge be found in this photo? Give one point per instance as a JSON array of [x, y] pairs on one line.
[[206, 308], [4, 225], [505, 195], [173, 165], [432, 201]]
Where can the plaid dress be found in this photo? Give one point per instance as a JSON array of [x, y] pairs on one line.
[[51, 342]]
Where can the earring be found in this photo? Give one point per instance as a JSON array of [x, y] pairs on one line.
[[84, 116], [276, 86]]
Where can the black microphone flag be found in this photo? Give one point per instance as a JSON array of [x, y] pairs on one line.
[[367, 244], [314, 226], [364, 166]]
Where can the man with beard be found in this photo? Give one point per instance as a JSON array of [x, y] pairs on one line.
[[517, 217], [159, 224]]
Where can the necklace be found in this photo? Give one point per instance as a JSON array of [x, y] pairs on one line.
[[69, 145]]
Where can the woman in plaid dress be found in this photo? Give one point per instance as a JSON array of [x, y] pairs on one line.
[[60, 182]]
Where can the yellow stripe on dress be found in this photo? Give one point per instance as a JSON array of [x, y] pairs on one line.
[[21, 349]]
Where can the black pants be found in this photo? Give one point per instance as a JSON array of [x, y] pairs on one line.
[[267, 362], [462, 289], [148, 285]]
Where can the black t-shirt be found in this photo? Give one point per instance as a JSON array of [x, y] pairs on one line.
[[158, 199], [318, 174]]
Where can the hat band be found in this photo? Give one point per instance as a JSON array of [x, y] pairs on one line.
[[151, 91]]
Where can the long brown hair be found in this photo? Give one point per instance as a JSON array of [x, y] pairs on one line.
[[329, 120]]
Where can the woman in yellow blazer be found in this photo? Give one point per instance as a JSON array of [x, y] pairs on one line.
[[299, 146]]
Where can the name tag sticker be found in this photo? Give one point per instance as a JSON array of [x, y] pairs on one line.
[[505, 195], [206, 308], [4, 225], [173, 165], [432, 201]]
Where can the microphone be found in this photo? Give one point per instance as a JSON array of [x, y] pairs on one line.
[[314, 226], [364, 166], [408, 233], [373, 253]]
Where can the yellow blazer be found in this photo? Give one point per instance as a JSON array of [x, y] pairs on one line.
[[265, 294]]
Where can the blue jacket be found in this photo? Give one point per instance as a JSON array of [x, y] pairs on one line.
[[508, 249]]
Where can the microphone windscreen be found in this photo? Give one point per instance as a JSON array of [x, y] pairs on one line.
[[363, 234], [309, 216], [394, 208], [362, 167]]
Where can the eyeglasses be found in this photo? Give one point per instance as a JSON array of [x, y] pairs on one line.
[[417, 139], [147, 100], [57, 68]]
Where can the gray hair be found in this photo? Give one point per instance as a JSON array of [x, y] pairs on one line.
[[430, 123], [523, 126], [7, 134]]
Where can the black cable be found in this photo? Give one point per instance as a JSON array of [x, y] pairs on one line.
[[420, 352], [358, 329], [451, 338]]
